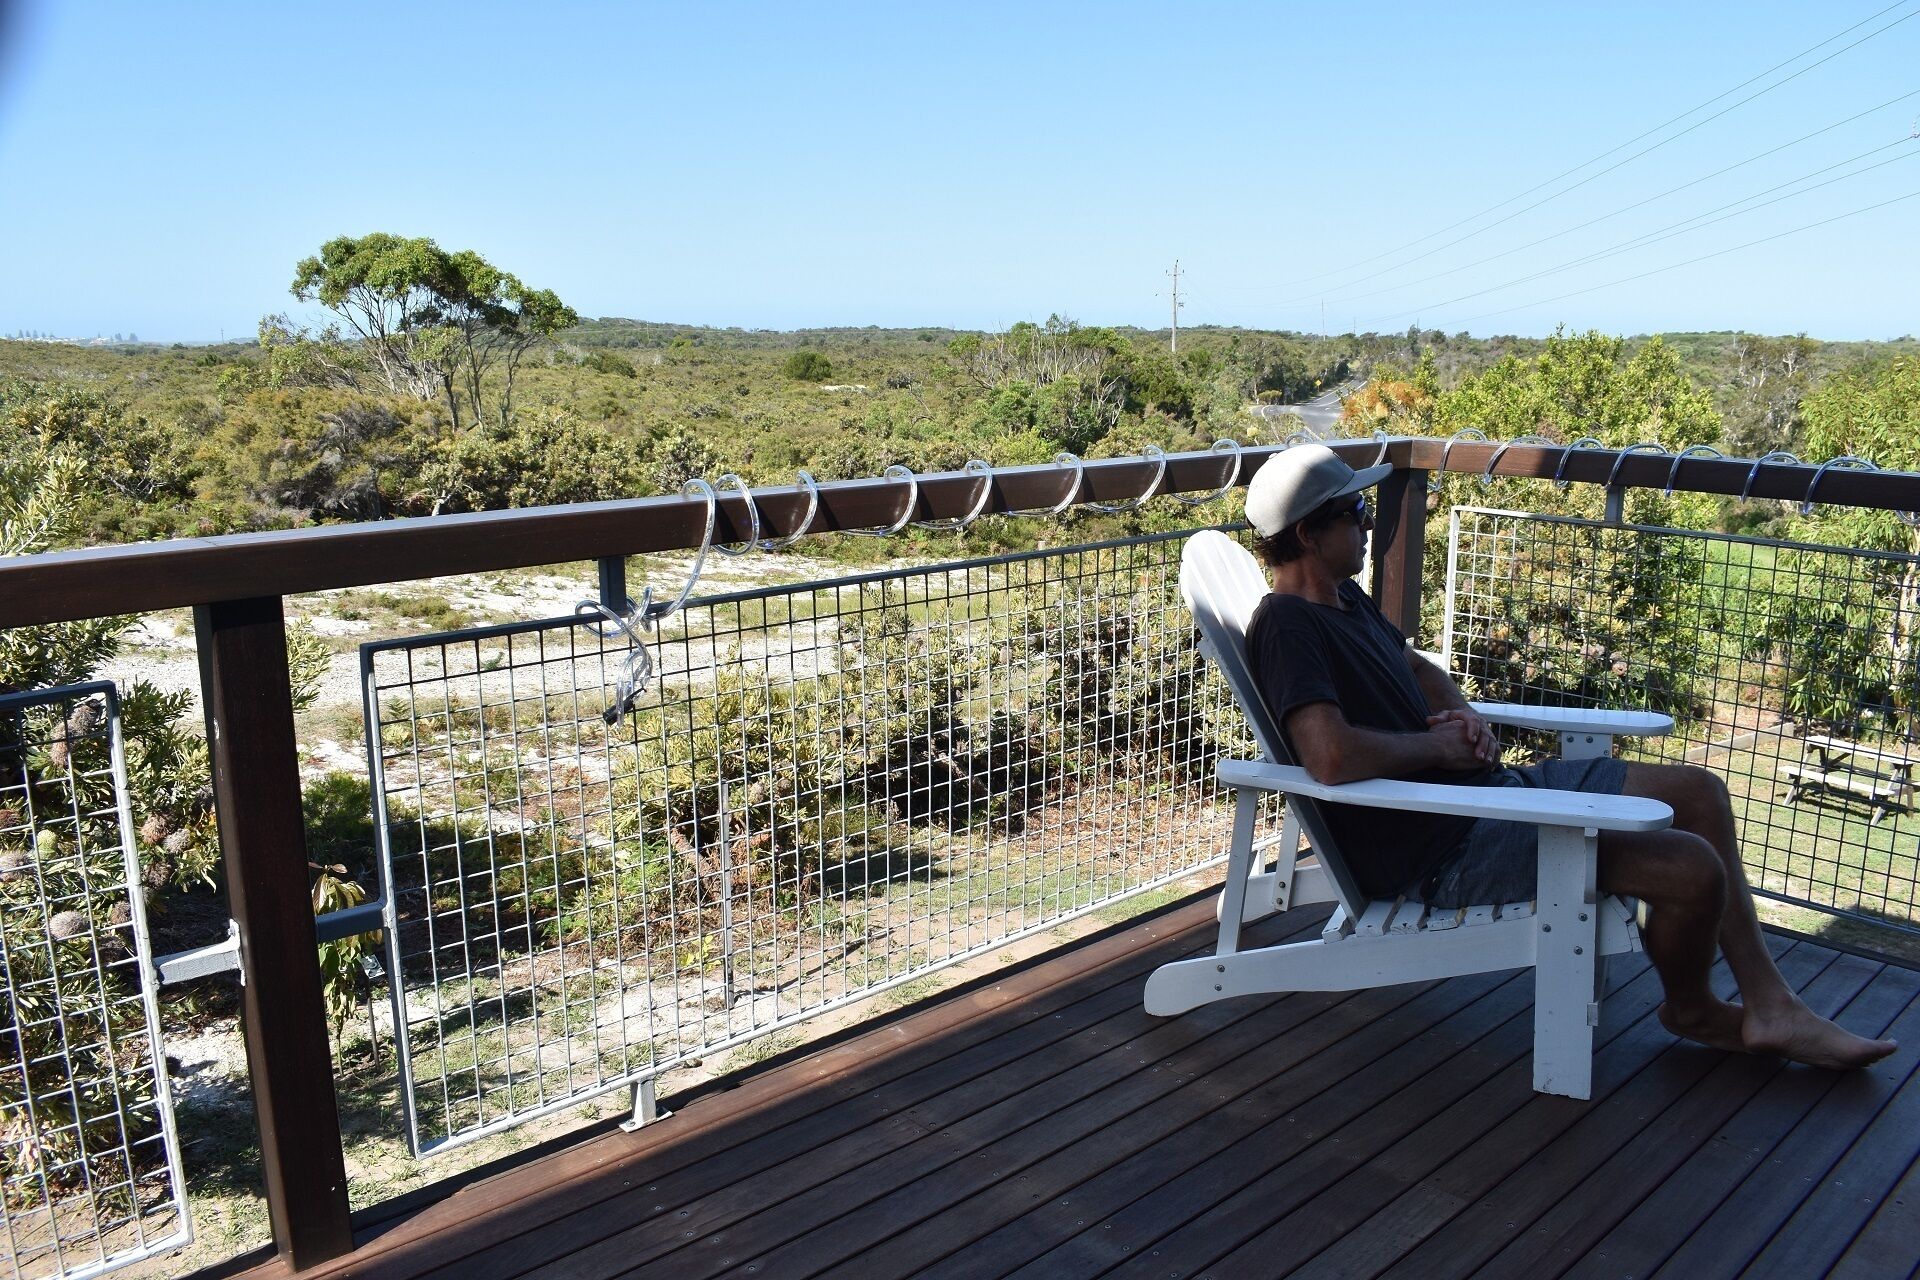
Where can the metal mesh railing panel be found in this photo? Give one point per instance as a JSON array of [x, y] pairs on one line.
[[89, 1168], [1789, 668], [828, 789]]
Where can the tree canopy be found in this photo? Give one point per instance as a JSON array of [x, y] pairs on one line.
[[433, 323]]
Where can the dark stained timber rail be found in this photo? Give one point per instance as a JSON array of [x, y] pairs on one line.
[[1885, 490], [102, 581]]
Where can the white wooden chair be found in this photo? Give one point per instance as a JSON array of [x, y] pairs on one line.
[[1366, 943]]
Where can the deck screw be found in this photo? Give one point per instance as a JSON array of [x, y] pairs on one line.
[[1583, 917], [1577, 951], [1546, 928]]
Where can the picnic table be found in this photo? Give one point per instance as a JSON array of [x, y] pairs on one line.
[[1845, 767]]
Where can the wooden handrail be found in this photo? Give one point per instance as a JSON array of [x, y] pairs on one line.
[[96, 582]]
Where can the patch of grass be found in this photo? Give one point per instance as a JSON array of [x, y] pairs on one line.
[[1139, 904], [912, 992], [763, 1048]]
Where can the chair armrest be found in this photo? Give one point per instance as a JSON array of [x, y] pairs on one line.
[[1514, 804], [1639, 724]]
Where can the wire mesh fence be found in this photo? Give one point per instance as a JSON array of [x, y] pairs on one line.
[[828, 789], [89, 1169], [1792, 670]]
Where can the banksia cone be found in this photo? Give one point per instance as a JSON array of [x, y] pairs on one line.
[[121, 916], [176, 844], [14, 864], [66, 925], [154, 829], [83, 719]]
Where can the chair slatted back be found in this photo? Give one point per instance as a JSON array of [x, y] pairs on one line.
[[1223, 584]]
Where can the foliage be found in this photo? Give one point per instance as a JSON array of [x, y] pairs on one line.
[[432, 322], [916, 743], [610, 362], [1824, 657], [1541, 645], [807, 366], [1873, 411], [136, 474], [1126, 686], [340, 973], [85, 1068], [536, 460], [1765, 390], [339, 470], [1589, 385], [679, 456]]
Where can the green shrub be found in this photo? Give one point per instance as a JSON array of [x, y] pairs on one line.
[[610, 362], [807, 366]]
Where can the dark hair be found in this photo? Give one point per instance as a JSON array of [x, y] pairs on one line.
[[1285, 546]]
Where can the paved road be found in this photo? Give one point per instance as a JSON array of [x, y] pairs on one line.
[[1321, 414]]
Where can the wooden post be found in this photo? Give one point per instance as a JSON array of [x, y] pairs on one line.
[[1399, 545], [256, 786]]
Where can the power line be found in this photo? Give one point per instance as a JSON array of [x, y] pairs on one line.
[[1694, 223], [1630, 159], [1628, 208], [1630, 141], [1718, 253]]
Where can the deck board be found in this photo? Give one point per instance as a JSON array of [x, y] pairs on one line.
[[1043, 1125]]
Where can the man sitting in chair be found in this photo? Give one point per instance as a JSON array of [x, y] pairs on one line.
[[1355, 701]]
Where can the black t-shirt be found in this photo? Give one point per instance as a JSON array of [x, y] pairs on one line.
[[1303, 652]]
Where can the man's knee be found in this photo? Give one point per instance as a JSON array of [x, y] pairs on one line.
[[1701, 872], [1696, 795], [1674, 867]]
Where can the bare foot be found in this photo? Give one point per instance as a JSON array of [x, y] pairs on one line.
[[1717, 1025], [1798, 1034]]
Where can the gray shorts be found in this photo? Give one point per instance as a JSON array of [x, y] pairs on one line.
[[1497, 860]]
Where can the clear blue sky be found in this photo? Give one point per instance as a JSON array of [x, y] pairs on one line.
[[780, 165]]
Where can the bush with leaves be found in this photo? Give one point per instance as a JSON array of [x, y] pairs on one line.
[[84, 1086], [1592, 619], [807, 366], [540, 458], [923, 737], [134, 478], [1829, 654], [1127, 683]]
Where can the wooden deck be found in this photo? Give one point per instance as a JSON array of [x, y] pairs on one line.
[[1042, 1125]]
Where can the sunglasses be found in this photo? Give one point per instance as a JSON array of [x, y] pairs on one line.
[[1359, 510]]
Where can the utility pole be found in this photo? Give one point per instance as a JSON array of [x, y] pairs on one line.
[[1173, 343]]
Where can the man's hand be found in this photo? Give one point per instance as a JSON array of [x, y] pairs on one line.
[[1478, 738]]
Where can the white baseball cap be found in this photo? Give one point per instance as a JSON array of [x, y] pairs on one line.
[[1292, 485]]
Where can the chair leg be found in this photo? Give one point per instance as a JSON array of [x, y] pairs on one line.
[[1565, 1008], [1233, 894]]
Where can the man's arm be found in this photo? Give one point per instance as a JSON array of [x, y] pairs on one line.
[[1449, 703], [1333, 751], [1441, 692]]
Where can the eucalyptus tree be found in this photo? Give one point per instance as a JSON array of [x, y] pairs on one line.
[[432, 323]]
